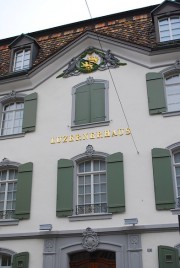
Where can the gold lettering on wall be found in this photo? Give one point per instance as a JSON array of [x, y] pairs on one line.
[[92, 135]]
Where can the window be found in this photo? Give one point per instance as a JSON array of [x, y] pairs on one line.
[[24, 51], [169, 29], [166, 173], [90, 184], [21, 60], [12, 118], [176, 165], [92, 187], [5, 260], [164, 92], [90, 104], [17, 114], [8, 185], [15, 190], [9, 258], [166, 18], [172, 85]]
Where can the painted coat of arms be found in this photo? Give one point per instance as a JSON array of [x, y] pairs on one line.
[[91, 60]]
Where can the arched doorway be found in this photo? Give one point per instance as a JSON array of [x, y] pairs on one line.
[[97, 259]]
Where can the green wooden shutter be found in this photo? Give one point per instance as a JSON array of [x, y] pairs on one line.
[[29, 118], [23, 195], [64, 205], [82, 105], [168, 257], [155, 91], [21, 260], [163, 182], [115, 183], [97, 102]]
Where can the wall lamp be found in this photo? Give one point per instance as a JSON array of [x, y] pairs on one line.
[[132, 221], [45, 227]]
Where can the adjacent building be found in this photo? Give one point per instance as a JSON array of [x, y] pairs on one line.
[[90, 143]]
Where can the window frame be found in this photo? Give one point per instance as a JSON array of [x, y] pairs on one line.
[[162, 11], [89, 81], [174, 148], [174, 165], [7, 165], [157, 90], [12, 112], [91, 206], [170, 30], [7, 213], [11, 98], [20, 43], [7, 252], [166, 75], [66, 182], [77, 160], [18, 51]]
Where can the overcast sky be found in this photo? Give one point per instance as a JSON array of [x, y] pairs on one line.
[[25, 16]]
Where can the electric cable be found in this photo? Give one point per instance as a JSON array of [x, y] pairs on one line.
[[114, 84]]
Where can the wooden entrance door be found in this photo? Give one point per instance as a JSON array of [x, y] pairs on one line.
[[99, 259]]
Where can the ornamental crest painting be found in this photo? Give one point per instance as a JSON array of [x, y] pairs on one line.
[[91, 60]]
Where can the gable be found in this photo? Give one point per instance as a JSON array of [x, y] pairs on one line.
[[165, 8], [22, 40]]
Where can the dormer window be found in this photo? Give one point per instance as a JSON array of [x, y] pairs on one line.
[[22, 60], [24, 50], [166, 18], [169, 29]]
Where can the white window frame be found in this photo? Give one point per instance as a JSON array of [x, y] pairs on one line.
[[169, 87], [174, 149], [22, 62], [7, 252], [91, 207], [13, 113], [6, 183], [170, 30], [176, 165]]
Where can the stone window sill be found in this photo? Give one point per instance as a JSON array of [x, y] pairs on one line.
[[9, 222], [90, 125], [87, 217], [173, 113], [4, 137]]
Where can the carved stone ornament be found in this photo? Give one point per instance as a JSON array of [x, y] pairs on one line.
[[5, 162], [89, 150], [90, 80], [90, 240], [12, 95], [49, 245], [89, 61]]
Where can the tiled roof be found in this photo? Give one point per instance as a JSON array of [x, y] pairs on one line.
[[135, 27]]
